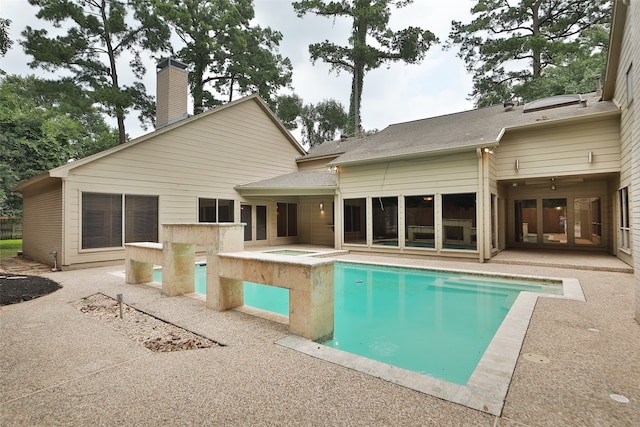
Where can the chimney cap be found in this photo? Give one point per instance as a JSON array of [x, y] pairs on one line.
[[171, 62]]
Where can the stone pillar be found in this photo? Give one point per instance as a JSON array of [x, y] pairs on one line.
[[223, 293], [178, 268], [138, 271], [311, 305]]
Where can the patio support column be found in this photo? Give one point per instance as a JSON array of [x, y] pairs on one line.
[[224, 293], [178, 268]]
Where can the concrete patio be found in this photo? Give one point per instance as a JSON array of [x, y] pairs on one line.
[[59, 366]]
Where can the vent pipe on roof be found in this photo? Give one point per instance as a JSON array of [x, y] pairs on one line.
[[508, 105], [172, 84], [598, 85]]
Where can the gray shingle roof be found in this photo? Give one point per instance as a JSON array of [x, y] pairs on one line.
[[294, 180], [331, 148], [458, 131]]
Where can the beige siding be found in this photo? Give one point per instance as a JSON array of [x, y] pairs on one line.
[[204, 158], [558, 151], [42, 223], [455, 173], [319, 164], [630, 131]]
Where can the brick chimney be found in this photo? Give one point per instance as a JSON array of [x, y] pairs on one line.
[[171, 92]]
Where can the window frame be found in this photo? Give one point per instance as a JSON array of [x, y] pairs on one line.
[[124, 232], [624, 222]]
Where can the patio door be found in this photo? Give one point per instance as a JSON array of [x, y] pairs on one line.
[[255, 218], [559, 221]]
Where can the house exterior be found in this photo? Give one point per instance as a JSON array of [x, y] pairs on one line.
[[555, 174], [83, 212], [622, 86]]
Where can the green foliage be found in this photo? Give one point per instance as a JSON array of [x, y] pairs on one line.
[[226, 52], [318, 123], [370, 19], [5, 41], [97, 35], [517, 49], [44, 124], [288, 108]]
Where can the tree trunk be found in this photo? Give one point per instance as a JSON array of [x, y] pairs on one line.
[[122, 134], [360, 27], [536, 53]]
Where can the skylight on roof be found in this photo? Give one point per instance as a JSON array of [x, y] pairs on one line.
[[551, 102]]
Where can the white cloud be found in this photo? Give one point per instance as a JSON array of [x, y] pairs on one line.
[[438, 85]]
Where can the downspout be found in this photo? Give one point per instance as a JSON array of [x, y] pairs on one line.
[[480, 225], [338, 216]]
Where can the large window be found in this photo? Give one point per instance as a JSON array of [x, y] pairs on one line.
[[261, 223], [103, 218], [385, 221], [419, 221], [624, 240], [554, 220], [459, 221], [215, 210], [287, 219], [355, 222], [246, 217], [587, 221], [141, 219], [526, 220]]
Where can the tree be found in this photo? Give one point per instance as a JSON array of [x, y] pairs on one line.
[[44, 124], [370, 19], [577, 70], [5, 41], [98, 34], [330, 117], [510, 44], [225, 50], [288, 109], [318, 123]]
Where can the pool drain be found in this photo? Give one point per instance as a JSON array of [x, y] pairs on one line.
[[619, 398], [536, 358]]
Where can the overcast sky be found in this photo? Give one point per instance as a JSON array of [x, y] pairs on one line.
[[397, 93]]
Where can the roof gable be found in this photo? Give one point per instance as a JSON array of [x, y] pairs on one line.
[[64, 170]]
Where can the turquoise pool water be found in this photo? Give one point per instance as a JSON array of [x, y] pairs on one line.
[[434, 323]]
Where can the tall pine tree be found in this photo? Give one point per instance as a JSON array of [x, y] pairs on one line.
[[102, 39], [370, 23], [510, 45]]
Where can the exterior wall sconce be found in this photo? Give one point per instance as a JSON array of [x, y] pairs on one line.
[[321, 207], [590, 157], [517, 164]]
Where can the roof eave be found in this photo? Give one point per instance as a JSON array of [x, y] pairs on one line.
[[288, 191], [566, 120], [618, 21], [436, 152], [31, 181]]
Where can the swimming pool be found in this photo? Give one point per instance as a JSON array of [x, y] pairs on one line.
[[433, 323]]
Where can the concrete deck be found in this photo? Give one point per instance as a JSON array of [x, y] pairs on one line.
[[59, 366]]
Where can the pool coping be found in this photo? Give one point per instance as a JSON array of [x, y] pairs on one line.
[[487, 387]]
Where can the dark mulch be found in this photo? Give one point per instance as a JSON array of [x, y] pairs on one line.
[[15, 288]]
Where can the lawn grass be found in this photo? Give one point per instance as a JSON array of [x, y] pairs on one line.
[[9, 248]]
